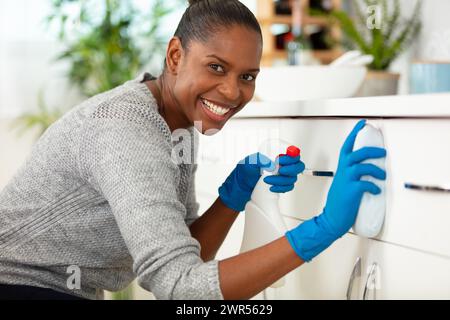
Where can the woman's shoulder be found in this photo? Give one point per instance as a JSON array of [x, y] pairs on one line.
[[132, 103]]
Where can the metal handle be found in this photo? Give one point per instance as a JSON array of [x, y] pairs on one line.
[[371, 281], [355, 273], [438, 188], [318, 173]]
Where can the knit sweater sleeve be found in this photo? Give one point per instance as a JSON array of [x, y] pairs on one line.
[[130, 165], [192, 205]]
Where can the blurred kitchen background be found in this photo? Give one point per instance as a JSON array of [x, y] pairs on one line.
[[55, 53]]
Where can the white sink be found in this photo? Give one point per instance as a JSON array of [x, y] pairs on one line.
[[293, 83]]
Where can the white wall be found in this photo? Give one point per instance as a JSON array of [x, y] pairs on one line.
[[433, 42], [27, 52]]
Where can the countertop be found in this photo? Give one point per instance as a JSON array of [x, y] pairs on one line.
[[401, 106]]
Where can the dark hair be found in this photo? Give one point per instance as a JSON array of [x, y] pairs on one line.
[[204, 17]]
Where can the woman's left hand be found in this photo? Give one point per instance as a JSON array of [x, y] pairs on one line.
[[290, 168], [237, 189]]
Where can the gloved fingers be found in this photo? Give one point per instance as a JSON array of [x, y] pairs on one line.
[[367, 186], [287, 160], [347, 147], [278, 180], [292, 170], [366, 153], [281, 189], [367, 169]]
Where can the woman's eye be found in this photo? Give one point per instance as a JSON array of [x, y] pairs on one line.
[[216, 67], [248, 77]]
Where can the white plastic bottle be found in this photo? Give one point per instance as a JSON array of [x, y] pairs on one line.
[[372, 210], [263, 220]]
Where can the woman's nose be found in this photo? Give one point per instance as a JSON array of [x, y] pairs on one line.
[[230, 90]]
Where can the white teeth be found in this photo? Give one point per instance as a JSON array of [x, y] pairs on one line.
[[215, 108]]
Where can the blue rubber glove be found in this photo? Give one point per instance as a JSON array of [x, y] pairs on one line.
[[237, 189], [290, 168], [344, 197]]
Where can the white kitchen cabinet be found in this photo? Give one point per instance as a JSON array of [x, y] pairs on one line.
[[386, 271], [327, 276], [410, 258], [418, 152], [320, 141]]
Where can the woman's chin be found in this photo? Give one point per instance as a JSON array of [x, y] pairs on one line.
[[206, 129]]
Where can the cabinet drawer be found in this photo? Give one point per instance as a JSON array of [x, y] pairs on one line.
[[399, 273], [327, 276], [402, 273], [418, 151], [320, 141]]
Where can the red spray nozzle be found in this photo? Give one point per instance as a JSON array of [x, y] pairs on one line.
[[293, 151]]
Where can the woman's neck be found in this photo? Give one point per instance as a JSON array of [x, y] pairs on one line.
[[168, 106]]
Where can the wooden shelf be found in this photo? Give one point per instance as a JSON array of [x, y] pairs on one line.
[[325, 56], [278, 19], [267, 18], [284, 19]]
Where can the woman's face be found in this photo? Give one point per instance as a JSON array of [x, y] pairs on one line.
[[216, 79]]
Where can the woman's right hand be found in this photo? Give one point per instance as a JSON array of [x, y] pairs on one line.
[[343, 201]]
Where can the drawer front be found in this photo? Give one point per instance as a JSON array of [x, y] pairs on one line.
[[328, 275], [388, 271], [418, 151], [402, 273], [320, 142]]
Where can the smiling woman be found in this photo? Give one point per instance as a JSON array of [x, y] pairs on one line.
[[102, 194], [211, 65]]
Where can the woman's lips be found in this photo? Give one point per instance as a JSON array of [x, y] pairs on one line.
[[212, 115]]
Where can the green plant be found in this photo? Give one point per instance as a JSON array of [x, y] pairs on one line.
[[386, 41], [107, 43], [103, 53], [41, 119]]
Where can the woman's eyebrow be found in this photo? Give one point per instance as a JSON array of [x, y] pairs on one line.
[[218, 58], [226, 63]]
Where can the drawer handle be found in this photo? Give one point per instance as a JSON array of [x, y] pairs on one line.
[[318, 173], [355, 273], [371, 282], [421, 187]]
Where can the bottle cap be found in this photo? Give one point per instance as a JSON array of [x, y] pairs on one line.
[[293, 151]]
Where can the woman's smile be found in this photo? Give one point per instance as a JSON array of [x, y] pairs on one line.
[[216, 111]]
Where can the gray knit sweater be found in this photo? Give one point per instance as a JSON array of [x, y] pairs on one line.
[[101, 193]]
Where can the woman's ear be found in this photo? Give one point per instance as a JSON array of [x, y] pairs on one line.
[[173, 55]]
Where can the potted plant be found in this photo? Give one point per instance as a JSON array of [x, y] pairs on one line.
[[379, 30], [106, 43]]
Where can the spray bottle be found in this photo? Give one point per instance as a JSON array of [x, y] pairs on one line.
[[263, 220]]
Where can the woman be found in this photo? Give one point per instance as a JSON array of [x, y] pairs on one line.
[[100, 200]]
